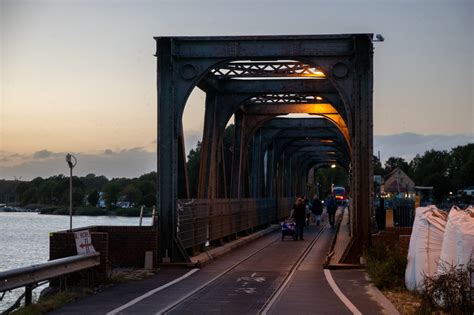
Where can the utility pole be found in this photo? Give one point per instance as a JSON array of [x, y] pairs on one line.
[[71, 161]]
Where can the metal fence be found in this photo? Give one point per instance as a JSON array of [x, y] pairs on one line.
[[403, 212], [203, 220]]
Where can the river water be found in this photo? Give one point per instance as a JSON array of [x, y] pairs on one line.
[[24, 239]]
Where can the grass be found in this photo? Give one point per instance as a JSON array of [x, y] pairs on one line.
[[386, 267], [406, 302], [52, 302], [449, 291], [59, 299]]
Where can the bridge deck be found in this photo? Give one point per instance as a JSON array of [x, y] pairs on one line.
[[248, 286]]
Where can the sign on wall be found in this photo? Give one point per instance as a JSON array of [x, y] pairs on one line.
[[84, 242]]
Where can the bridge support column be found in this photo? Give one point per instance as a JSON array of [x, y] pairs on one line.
[[257, 160], [209, 151], [362, 169], [236, 175], [270, 166], [169, 129]]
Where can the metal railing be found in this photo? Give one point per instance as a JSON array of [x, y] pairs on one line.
[[403, 212], [205, 220], [29, 276]]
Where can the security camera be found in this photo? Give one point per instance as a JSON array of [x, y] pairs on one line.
[[378, 38]]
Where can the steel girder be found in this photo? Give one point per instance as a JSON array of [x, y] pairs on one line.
[[183, 63], [219, 109], [286, 136]]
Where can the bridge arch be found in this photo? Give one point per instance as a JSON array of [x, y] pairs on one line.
[[184, 62]]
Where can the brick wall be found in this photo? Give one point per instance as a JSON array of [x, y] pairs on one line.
[[127, 245], [62, 244], [120, 246], [395, 237]]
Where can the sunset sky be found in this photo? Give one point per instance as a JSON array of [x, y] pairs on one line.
[[80, 76]]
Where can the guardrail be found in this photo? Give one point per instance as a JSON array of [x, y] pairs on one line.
[[29, 276]]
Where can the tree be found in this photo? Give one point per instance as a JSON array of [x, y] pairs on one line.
[[194, 158], [93, 182], [149, 200], [378, 169], [111, 191], [326, 177], [431, 169], [394, 162], [461, 166], [132, 193], [93, 198], [46, 191], [29, 196], [77, 197]]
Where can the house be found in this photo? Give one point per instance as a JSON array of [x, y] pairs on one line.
[[468, 191], [397, 183]]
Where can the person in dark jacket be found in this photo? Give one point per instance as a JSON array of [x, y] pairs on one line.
[[317, 209], [331, 208], [307, 205], [299, 215]]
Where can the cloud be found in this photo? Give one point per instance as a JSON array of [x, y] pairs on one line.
[[43, 154], [407, 145], [133, 162], [122, 163], [191, 139], [10, 158]]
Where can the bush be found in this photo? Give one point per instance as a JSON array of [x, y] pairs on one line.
[[449, 291], [92, 211], [386, 267], [132, 212]]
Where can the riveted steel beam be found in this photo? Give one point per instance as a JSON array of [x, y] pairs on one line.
[[255, 87], [282, 47]]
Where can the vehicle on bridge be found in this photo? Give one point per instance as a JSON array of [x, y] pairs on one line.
[[339, 194]]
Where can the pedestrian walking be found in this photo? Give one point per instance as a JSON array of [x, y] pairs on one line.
[[299, 215], [331, 208], [317, 209], [307, 209]]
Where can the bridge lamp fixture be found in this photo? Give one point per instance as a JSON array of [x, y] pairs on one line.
[[333, 165]]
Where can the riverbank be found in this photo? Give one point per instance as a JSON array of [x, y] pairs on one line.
[[25, 239], [92, 211]]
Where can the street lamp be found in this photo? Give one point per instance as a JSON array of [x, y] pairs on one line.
[[71, 161], [333, 166]]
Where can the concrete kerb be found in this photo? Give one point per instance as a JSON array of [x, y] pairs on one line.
[[382, 299], [208, 256]]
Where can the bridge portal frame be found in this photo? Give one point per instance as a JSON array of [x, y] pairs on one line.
[[183, 62]]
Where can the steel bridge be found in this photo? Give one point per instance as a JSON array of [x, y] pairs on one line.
[[256, 79]]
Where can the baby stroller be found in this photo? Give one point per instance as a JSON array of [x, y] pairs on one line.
[[287, 228]]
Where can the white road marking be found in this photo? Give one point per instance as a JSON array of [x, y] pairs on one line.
[[149, 293], [339, 293]]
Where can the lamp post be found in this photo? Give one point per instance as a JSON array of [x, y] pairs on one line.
[[71, 161], [333, 166]]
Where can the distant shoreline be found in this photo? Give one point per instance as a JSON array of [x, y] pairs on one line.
[[79, 211]]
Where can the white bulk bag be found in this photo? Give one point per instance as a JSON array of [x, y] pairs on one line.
[[458, 242], [425, 246]]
